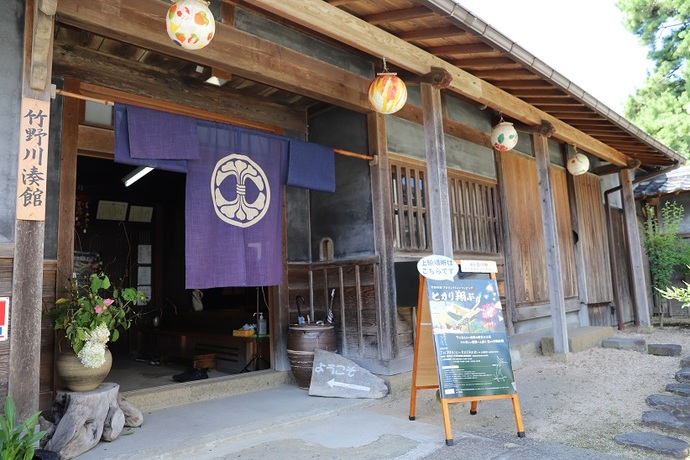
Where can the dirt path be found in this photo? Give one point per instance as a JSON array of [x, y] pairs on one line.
[[584, 403]]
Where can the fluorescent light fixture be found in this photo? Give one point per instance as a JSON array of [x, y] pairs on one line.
[[135, 175], [216, 81]]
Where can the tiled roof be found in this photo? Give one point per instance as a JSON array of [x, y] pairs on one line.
[[677, 180]]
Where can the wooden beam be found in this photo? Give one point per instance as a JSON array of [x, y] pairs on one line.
[[437, 174], [340, 25], [383, 235], [460, 49], [632, 233], [140, 22], [551, 244], [405, 14], [42, 44], [425, 34], [110, 72], [23, 382]]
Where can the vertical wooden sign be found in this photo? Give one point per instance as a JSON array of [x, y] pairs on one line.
[[461, 333], [33, 159]]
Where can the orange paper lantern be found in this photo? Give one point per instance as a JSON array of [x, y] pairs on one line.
[[387, 93]]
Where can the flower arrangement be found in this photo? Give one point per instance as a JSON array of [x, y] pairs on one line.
[[91, 314]]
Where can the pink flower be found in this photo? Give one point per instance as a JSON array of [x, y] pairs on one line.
[[99, 309], [108, 302]]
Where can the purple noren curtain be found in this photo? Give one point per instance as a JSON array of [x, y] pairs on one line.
[[234, 206], [122, 146], [311, 166]]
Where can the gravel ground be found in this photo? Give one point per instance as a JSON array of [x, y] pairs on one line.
[[584, 403]]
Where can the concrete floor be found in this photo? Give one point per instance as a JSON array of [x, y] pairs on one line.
[[137, 374]]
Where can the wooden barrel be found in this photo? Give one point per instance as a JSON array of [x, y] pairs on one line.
[[303, 339]]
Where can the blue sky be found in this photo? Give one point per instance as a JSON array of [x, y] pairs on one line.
[[584, 40]]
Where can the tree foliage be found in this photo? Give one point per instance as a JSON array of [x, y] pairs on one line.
[[662, 244], [662, 106]]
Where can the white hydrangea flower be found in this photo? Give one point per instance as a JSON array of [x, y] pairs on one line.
[[100, 335], [92, 354]]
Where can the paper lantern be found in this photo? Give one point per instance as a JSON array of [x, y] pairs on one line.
[[503, 136], [578, 164], [190, 24], [387, 93]]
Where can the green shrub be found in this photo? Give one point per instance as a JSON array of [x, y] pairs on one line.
[[17, 441]]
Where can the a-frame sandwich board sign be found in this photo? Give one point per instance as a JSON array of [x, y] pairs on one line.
[[461, 347]]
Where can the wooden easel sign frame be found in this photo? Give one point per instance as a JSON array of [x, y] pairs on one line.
[[461, 346]]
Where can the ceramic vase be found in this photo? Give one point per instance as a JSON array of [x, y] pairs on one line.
[[78, 377]]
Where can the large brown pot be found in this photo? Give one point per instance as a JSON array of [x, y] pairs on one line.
[[303, 340], [75, 375]]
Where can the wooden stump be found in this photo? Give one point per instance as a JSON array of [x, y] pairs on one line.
[[83, 418]]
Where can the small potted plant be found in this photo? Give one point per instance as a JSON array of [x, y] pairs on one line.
[[18, 440], [90, 316]]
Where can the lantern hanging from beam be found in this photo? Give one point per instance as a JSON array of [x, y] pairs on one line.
[[578, 163], [503, 136], [190, 24], [387, 92]]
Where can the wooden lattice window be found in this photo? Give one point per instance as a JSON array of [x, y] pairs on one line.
[[475, 214], [474, 210], [409, 206]]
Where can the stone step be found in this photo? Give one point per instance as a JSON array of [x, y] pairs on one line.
[[151, 399], [579, 339], [681, 389], [669, 402], [654, 442], [626, 343], [664, 349], [665, 420], [683, 375], [685, 361]]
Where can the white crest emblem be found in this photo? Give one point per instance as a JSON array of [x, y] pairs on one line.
[[236, 209]]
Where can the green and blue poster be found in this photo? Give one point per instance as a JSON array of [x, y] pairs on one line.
[[472, 350]]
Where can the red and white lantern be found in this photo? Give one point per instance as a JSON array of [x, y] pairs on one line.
[[387, 93], [578, 164], [190, 24]]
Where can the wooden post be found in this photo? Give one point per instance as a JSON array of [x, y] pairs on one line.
[[553, 256], [511, 307], [437, 175], [27, 276], [383, 236], [639, 285]]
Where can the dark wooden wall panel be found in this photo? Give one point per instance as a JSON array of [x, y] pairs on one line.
[[593, 238]]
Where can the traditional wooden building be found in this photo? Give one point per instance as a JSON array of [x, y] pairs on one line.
[[422, 180]]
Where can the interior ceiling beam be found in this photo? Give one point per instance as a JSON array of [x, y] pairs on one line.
[[141, 22], [90, 66], [406, 14]]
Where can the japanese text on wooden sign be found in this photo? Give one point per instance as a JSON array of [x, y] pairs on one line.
[[33, 159], [472, 352]]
